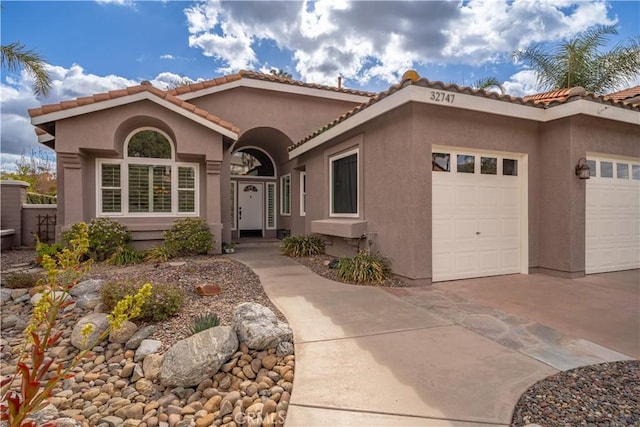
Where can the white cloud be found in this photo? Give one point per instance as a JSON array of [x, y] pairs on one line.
[[16, 97], [380, 40], [167, 56], [522, 83], [117, 2]]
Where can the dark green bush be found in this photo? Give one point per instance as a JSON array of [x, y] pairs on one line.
[[21, 280], [105, 237], [164, 302], [124, 255], [302, 246], [202, 323], [188, 236], [364, 268]]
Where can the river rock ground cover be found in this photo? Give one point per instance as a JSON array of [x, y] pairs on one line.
[[114, 387]]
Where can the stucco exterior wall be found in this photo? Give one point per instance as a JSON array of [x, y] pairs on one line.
[[295, 115], [82, 139], [14, 195]]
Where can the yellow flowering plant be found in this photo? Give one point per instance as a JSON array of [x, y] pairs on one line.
[[63, 271]]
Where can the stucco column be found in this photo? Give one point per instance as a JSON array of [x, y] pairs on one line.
[[14, 195], [74, 187], [212, 202]]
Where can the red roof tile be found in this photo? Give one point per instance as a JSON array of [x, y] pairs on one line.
[[68, 105], [625, 94], [264, 77], [542, 100]]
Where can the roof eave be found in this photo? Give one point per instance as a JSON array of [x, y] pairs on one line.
[[123, 100]]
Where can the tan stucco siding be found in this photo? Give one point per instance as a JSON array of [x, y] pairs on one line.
[[294, 115], [82, 139]]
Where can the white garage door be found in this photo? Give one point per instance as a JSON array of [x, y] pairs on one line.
[[477, 214], [612, 215]]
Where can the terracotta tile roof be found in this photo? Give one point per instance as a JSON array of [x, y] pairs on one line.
[[543, 100], [560, 95], [625, 94], [243, 74], [114, 94]]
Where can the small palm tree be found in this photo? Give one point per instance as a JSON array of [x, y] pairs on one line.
[[578, 62], [489, 82], [15, 56], [281, 73]]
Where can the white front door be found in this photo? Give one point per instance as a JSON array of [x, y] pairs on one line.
[[612, 215], [250, 206], [477, 207]]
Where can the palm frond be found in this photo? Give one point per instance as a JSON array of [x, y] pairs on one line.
[[15, 56]]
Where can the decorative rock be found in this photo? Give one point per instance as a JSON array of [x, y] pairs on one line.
[[258, 327], [270, 361], [124, 333], [5, 295], [146, 348], [111, 421], [213, 404], [91, 286], [140, 335], [207, 290], [54, 295], [198, 357], [9, 321], [88, 301], [205, 421], [284, 349], [151, 366], [137, 373], [100, 324]]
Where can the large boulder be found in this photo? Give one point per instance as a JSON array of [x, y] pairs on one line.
[[258, 327], [100, 324], [192, 360]]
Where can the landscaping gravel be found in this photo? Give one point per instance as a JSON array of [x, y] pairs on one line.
[[604, 395]]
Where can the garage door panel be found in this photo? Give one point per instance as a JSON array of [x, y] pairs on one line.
[[612, 218], [485, 213]]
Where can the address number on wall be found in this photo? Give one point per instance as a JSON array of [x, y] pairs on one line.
[[442, 97]]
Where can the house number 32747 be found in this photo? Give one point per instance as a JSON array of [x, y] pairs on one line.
[[442, 97]]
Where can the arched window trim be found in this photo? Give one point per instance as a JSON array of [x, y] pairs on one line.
[[253, 147], [121, 167], [154, 160]]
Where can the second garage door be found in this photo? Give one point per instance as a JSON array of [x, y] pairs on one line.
[[477, 207], [612, 215]]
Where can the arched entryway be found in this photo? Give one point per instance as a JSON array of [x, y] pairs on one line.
[[253, 173]]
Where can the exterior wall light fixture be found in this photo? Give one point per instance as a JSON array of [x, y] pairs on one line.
[[582, 169]]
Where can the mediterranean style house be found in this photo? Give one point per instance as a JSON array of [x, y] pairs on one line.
[[448, 182]]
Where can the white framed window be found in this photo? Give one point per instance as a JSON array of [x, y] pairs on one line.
[[147, 181], [271, 206], [344, 185], [285, 194], [303, 193]]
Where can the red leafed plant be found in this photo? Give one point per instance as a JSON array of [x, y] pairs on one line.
[[33, 370]]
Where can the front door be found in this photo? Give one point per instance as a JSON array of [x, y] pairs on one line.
[[250, 207]]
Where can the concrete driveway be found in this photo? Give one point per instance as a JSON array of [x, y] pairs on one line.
[[408, 356], [602, 308]]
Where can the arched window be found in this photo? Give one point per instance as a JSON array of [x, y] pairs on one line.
[[147, 181], [252, 162]]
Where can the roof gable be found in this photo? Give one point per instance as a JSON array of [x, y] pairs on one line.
[[65, 109], [268, 82]]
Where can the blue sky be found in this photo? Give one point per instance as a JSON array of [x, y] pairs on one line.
[[96, 46]]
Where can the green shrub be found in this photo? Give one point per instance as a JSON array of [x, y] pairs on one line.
[[43, 249], [40, 199], [364, 268], [159, 254], [302, 246], [188, 236], [21, 280], [105, 237], [202, 323], [124, 255], [164, 302]]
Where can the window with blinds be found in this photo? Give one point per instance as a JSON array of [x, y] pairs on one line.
[[233, 205], [271, 205], [111, 189], [186, 189], [285, 195]]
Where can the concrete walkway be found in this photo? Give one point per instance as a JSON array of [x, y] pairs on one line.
[[372, 357]]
